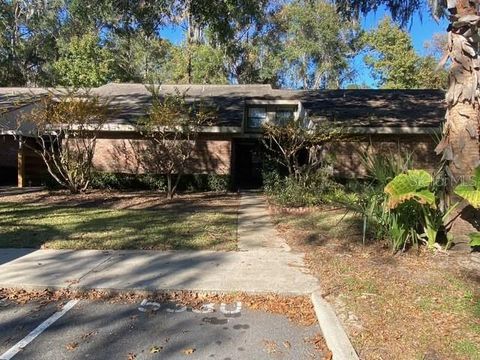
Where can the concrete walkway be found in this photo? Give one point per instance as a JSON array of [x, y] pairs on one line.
[[263, 264]]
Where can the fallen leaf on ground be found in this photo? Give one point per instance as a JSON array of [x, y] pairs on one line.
[[270, 346], [71, 346], [189, 351], [155, 349], [88, 335]]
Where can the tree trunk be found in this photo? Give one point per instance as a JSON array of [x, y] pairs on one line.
[[460, 146], [169, 186]]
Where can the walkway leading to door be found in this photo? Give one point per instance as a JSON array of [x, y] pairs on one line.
[[264, 264], [255, 228]]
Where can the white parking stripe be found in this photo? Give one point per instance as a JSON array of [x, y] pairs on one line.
[[10, 353]]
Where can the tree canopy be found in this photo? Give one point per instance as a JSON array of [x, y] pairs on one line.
[[401, 10], [294, 43], [394, 62]]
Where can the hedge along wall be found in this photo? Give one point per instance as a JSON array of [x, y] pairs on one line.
[[346, 159]]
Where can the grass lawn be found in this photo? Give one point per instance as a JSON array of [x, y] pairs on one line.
[[60, 226], [416, 305]]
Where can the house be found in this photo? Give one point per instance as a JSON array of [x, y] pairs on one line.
[[377, 120]]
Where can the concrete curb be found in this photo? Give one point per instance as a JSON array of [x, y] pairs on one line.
[[332, 330]]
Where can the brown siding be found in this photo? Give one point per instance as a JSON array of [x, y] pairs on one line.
[[347, 159], [128, 156]]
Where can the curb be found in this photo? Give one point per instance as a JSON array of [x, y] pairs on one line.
[[332, 330]]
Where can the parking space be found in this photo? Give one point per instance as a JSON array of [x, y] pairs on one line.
[[148, 330]]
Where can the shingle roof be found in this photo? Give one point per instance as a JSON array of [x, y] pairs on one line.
[[131, 101], [361, 108], [374, 108], [12, 99]]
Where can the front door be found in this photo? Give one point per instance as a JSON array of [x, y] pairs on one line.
[[248, 164]]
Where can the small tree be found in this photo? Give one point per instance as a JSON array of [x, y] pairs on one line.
[[298, 145], [65, 128], [173, 126]]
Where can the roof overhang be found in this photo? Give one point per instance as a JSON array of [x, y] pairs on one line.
[[272, 102], [393, 130], [133, 128]]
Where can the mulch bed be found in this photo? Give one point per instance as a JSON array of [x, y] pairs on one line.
[[414, 305]]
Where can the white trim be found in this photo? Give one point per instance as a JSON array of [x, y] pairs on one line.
[[407, 130], [203, 129], [238, 130], [273, 102], [132, 128]]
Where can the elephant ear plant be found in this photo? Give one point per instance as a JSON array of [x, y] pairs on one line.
[[412, 204], [415, 208], [470, 191]]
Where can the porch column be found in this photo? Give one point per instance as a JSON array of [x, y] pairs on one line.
[[21, 164]]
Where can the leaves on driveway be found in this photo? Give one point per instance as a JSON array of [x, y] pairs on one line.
[[71, 346], [189, 351], [155, 349]]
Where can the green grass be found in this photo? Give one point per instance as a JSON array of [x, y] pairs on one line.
[[93, 228], [467, 348]]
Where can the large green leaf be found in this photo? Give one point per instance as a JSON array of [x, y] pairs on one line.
[[413, 185], [470, 191], [474, 239]]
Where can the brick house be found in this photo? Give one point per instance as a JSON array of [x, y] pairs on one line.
[[377, 120]]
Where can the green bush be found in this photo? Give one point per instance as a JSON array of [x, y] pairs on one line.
[[368, 199], [287, 191], [194, 183], [219, 183], [117, 181]]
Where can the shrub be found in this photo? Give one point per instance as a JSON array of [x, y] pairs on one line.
[[368, 198], [218, 183], [197, 182], [319, 188], [118, 181]]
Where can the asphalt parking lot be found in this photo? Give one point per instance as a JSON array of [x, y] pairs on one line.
[[88, 329]]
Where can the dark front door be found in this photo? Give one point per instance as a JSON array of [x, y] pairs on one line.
[[248, 164]]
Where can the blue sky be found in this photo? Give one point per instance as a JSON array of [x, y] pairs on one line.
[[421, 30]]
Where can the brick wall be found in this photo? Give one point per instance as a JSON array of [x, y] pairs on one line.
[[347, 159], [121, 155]]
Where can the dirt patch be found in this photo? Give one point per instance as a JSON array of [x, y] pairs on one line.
[[416, 305], [145, 200]]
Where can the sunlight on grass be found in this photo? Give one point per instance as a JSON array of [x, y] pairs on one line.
[[88, 228], [334, 223], [468, 348]]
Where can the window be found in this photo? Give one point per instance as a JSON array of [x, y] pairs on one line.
[[283, 117], [256, 117]]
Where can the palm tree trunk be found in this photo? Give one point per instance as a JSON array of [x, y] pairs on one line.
[[460, 143]]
